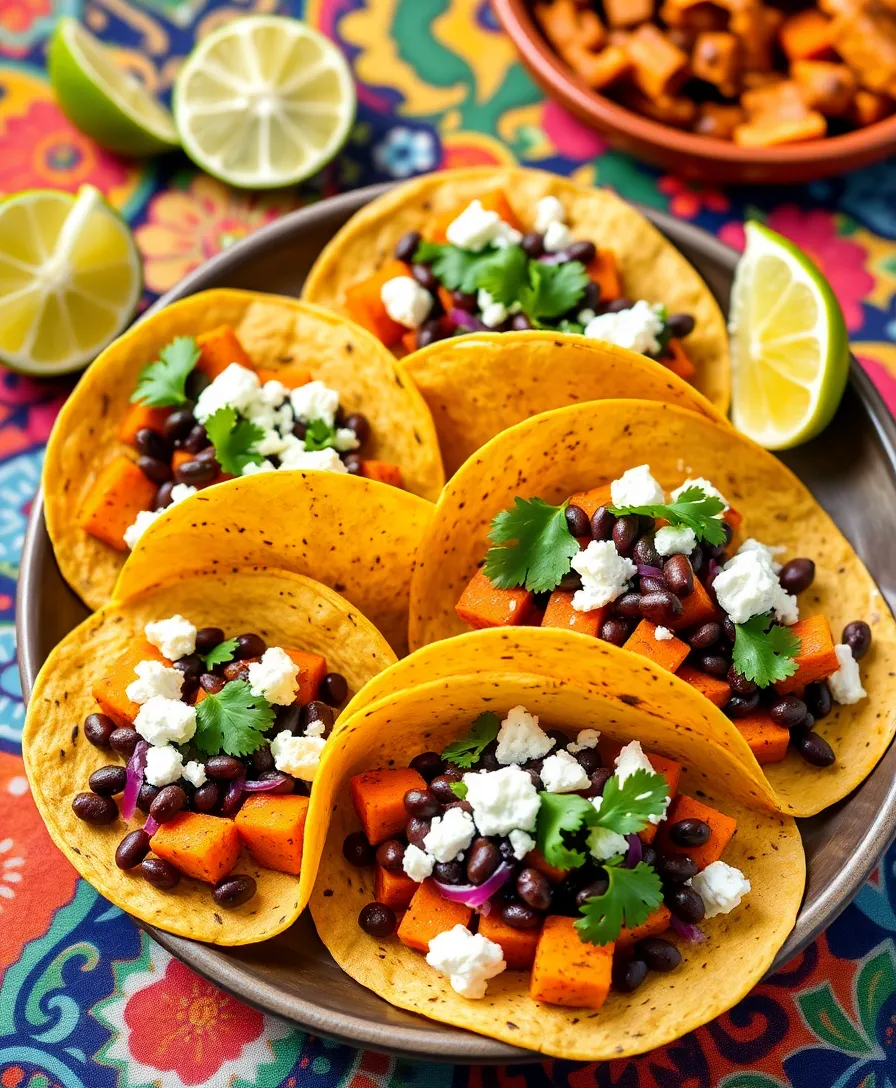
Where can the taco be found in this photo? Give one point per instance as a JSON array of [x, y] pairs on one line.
[[687, 544], [511, 854], [224, 383], [497, 248], [172, 739]]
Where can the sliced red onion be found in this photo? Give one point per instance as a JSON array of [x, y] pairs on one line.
[[474, 895], [646, 571], [634, 852], [135, 768], [265, 784], [686, 931], [464, 320], [151, 826], [232, 797]]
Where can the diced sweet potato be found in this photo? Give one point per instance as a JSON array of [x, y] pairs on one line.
[[109, 690], [816, 658], [719, 120], [560, 613], [868, 108], [712, 687], [598, 70], [688, 808], [659, 66], [203, 847], [291, 376], [518, 945], [767, 740], [733, 517], [272, 827], [121, 491], [767, 130], [670, 109], [536, 860], [378, 797], [493, 201], [429, 915], [695, 14], [591, 501], [180, 457], [218, 348], [139, 416], [806, 35], [604, 271], [678, 361], [827, 87], [628, 12], [364, 304], [395, 890], [716, 58], [697, 608], [383, 471], [567, 970], [483, 605], [671, 771], [312, 670], [669, 653], [757, 26], [653, 926]]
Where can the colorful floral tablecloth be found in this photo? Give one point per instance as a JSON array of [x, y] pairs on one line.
[[86, 999]]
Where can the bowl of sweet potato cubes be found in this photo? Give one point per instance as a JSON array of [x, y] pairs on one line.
[[721, 90]]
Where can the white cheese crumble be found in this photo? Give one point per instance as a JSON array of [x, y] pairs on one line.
[[721, 887], [636, 487], [298, 756], [521, 738], [663, 634], [604, 843], [162, 721], [708, 489], [154, 678], [468, 960], [630, 759], [417, 864], [164, 765], [548, 210], [327, 460], [174, 637], [345, 440], [450, 835], [195, 774], [605, 575], [503, 800], [315, 400], [477, 227], [522, 843], [406, 301], [770, 551], [636, 329], [674, 540], [145, 518], [236, 387], [493, 313], [251, 468], [562, 773], [274, 677], [846, 682], [557, 236], [747, 586], [587, 738], [584, 316]]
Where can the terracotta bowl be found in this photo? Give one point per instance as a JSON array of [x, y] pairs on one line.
[[700, 157]]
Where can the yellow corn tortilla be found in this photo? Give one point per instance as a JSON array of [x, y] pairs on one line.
[[286, 610], [712, 977], [275, 331], [650, 266], [354, 535], [479, 385], [582, 446]]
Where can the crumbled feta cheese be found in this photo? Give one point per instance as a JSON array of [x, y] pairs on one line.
[[315, 728], [417, 864], [747, 586], [450, 835], [674, 540], [174, 637], [562, 773], [721, 887], [406, 301], [195, 773], [315, 400], [636, 329], [469, 961], [584, 316], [503, 801], [271, 444], [846, 682], [663, 634], [493, 313], [631, 758], [251, 469], [180, 492], [476, 227], [345, 440], [787, 609], [298, 756], [636, 487], [770, 551], [557, 236], [605, 575], [236, 387], [154, 678], [162, 721], [139, 525], [164, 765], [521, 738], [521, 843], [604, 843], [327, 460], [274, 677], [548, 210], [708, 489], [587, 738]]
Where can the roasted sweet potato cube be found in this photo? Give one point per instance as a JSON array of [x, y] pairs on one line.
[[866, 39], [678, 360], [653, 926], [272, 827], [139, 416], [722, 827], [816, 658], [365, 305], [659, 65], [697, 608], [868, 108], [695, 15], [109, 690], [718, 120], [383, 471], [806, 35], [560, 613], [671, 771], [429, 915], [598, 70], [669, 109], [604, 271], [767, 740], [716, 58], [827, 87], [203, 847], [567, 970], [591, 501], [218, 348], [628, 12], [291, 376], [518, 945], [669, 653], [483, 605], [536, 860], [378, 797], [121, 491], [711, 687], [395, 890], [757, 26], [312, 670]]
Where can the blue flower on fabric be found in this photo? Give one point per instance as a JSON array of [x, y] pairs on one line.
[[405, 151], [19, 477]]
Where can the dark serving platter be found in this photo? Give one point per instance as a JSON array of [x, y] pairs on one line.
[[851, 469]]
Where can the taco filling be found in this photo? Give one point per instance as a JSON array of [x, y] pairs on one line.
[[222, 738], [203, 413], [479, 269], [519, 848], [672, 577]]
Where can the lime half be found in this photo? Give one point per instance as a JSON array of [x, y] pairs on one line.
[[101, 99], [789, 350], [70, 279], [264, 101]]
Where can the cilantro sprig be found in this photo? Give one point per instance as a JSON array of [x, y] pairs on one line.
[[627, 808], [534, 546], [162, 383], [693, 508], [552, 290], [460, 790], [455, 268], [632, 896], [220, 654], [319, 435], [466, 751], [234, 440], [562, 815], [764, 652], [233, 721]]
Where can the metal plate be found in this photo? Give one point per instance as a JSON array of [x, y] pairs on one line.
[[852, 471]]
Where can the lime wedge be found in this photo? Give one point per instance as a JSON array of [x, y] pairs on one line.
[[789, 350], [101, 99], [70, 279], [264, 101]]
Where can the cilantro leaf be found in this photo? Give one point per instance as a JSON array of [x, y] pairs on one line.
[[561, 814], [162, 383], [319, 435], [552, 290], [571, 326], [625, 808], [466, 751], [693, 508], [764, 653], [454, 268], [460, 789], [633, 895], [503, 274], [233, 721], [542, 550], [220, 654], [234, 441]]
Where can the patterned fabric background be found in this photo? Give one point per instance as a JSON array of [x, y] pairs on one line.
[[86, 1000]]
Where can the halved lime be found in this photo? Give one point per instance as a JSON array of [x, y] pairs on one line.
[[264, 101], [789, 350], [102, 100], [70, 279]]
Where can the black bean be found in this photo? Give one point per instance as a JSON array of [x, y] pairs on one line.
[[441, 786], [207, 454], [249, 645], [652, 585], [690, 832], [716, 550], [449, 872], [377, 920], [602, 523], [107, 781], [406, 246], [196, 473], [98, 728], [197, 381], [714, 664], [318, 711], [224, 768], [158, 472], [421, 803], [262, 760], [818, 698], [429, 332], [233, 891], [533, 244], [679, 575], [797, 575], [591, 890], [211, 683], [356, 849], [535, 774], [93, 809], [123, 741], [519, 916], [358, 423], [589, 759], [132, 849], [167, 803], [161, 874], [625, 533], [813, 748], [857, 636], [590, 296], [658, 954], [152, 444], [206, 797], [300, 429], [582, 251], [417, 829], [676, 868], [740, 685], [599, 779], [645, 552], [464, 805], [628, 606], [729, 630], [698, 559], [787, 710], [649, 855], [428, 765], [178, 425], [390, 855], [196, 440], [577, 521], [661, 608], [191, 666], [353, 464], [464, 300], [534, 889], [482, 860], [207, 638], [628, 975], [425, 276], [685, 903], [742, 706], [680, 325], [614, 631], [288, 718], [619, 304], [704, 636], [145, 796], [808, 722]]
